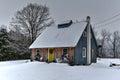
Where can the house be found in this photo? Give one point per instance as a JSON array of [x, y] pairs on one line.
[[76, 40]]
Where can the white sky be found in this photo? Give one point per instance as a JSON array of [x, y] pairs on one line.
[[62, 10]]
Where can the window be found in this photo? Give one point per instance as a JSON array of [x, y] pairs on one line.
[[83, 52], [65, 51], [38, 52]]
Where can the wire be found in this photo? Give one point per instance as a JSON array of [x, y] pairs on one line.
[[106, 20], [109, 23]]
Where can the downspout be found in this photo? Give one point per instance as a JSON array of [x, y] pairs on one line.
[[88, 41]]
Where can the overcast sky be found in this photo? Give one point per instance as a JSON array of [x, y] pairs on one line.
[[62, 10]]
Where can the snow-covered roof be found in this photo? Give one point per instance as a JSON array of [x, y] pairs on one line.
[[60, 37]]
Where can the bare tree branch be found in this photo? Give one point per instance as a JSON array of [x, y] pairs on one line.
[[32, 19]]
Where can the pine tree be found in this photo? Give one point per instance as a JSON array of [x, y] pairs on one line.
[[4, 41]]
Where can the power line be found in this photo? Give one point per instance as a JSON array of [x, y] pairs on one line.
[[109, 23], [106, 20]]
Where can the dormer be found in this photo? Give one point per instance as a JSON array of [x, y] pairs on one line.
[[65, 24]]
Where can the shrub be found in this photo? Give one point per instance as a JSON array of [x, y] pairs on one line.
[[71, 63]]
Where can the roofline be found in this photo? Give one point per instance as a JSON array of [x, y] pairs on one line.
[[51, 47]]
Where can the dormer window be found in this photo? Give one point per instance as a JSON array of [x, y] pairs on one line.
[[65, 24]]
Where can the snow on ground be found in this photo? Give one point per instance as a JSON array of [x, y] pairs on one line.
[[15, 62], [59, 71]]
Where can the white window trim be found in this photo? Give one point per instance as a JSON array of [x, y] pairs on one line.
[[37, 51], [85, 52]]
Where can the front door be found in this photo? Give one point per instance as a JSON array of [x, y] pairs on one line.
[[51, 55]]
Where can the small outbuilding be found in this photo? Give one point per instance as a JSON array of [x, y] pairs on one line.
[[75, 41]]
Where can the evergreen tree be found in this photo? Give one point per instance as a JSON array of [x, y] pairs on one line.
[[4, 41]]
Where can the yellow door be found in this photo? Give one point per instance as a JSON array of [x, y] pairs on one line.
[[51, 55]]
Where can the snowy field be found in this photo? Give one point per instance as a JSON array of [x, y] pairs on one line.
[[20, 70]]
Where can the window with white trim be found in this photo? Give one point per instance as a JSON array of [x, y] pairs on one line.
[[84, 52], [37, 52]]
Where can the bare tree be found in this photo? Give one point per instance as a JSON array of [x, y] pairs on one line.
[[95, 32], [115, 41], [104, 37], [32, 19]]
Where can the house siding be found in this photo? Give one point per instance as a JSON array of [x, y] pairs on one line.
[[56, 51], [94, 47], [71, 53], [59, 52], [79, 60], [33, 54]]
